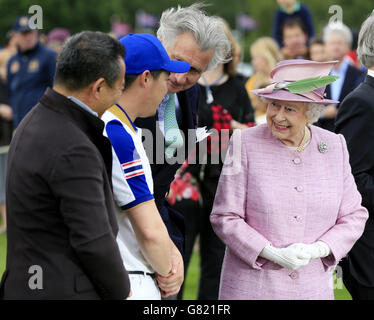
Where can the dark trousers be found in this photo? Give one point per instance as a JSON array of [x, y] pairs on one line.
[[212, 249], [355, 288]]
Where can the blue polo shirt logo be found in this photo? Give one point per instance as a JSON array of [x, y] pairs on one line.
[[14, 67], [34, 65]]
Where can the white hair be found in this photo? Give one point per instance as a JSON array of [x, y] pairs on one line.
[[365, 49], [340, 29], [313, 110], [209, 32]]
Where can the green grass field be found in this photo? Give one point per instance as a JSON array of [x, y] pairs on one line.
[[2, 253], [192, 279]]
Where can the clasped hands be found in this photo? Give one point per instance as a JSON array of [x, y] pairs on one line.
[[296, 255]]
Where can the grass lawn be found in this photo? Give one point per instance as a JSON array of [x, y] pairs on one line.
[[2, 253], [192, 279]]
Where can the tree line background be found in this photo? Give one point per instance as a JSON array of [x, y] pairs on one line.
[[78, 15]]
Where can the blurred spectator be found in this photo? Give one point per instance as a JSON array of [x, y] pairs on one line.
[[317, 50], [43, 38], [338, 41], [351, 56], [265, 55], [5, 120], [5, 137], [224, 104], [258, 104], [294, 39], [30, 71], [10, 49], [57, 38], [290, 9], [237, 57]]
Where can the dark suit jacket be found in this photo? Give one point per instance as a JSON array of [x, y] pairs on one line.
[[352, 79], [355, 121], [163, 172], [60, 209]]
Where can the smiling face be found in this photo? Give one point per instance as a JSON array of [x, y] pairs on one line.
[[186, 49], [287, 121]]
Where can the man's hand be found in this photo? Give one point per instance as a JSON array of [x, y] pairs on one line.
[[171, 285], [6, 112], [330, 111]]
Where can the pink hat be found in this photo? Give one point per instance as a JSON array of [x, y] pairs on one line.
[[299, 80]]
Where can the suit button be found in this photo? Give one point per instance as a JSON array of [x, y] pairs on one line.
[[297, 161], [299, 188], [294, 275]]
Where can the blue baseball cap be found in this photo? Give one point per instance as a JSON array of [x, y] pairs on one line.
[[21, 24], [145, 52]]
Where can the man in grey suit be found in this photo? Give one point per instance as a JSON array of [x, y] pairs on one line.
[[60, 211]]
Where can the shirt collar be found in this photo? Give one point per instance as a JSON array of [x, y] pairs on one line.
[[127, 116], [296, 8], [83, 105], [342, 70], [371, 73]]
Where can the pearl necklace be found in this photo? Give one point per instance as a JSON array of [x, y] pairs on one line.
[[305, 140]]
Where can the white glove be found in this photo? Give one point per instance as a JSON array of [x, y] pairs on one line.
[[316, 250], [292, 257]]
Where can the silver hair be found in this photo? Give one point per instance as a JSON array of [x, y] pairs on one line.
[[337, 28], [209, 32], [313, 110], [365, 49]]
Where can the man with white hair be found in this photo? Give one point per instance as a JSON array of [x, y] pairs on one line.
[[188, 34], [338, 41], [355, 121]]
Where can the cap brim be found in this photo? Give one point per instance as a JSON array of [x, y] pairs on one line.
[[285, 95], [23, 29], [177, 66]]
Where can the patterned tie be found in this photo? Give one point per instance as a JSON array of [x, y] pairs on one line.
[[173, 137]]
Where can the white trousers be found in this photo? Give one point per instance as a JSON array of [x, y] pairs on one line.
[[144, 288]]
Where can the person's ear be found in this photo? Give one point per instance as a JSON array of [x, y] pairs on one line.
[[145, 78], [97, 87]]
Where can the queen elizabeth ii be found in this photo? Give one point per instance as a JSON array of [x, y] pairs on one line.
[[292, 211]]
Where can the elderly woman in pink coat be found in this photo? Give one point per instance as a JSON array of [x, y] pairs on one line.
[[287, 206]]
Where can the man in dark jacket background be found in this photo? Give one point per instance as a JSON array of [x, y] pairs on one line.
[[355, 121], [30, 71], [60, 210]]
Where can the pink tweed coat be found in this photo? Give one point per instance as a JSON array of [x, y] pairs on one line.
[[282, 197]]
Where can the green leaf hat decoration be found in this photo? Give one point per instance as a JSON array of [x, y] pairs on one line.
[[307, 85]]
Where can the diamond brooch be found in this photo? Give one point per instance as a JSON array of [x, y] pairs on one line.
[[323, 147]]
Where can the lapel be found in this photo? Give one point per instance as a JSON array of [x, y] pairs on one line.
[[347, 84], [346, 87], [188, 108]]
